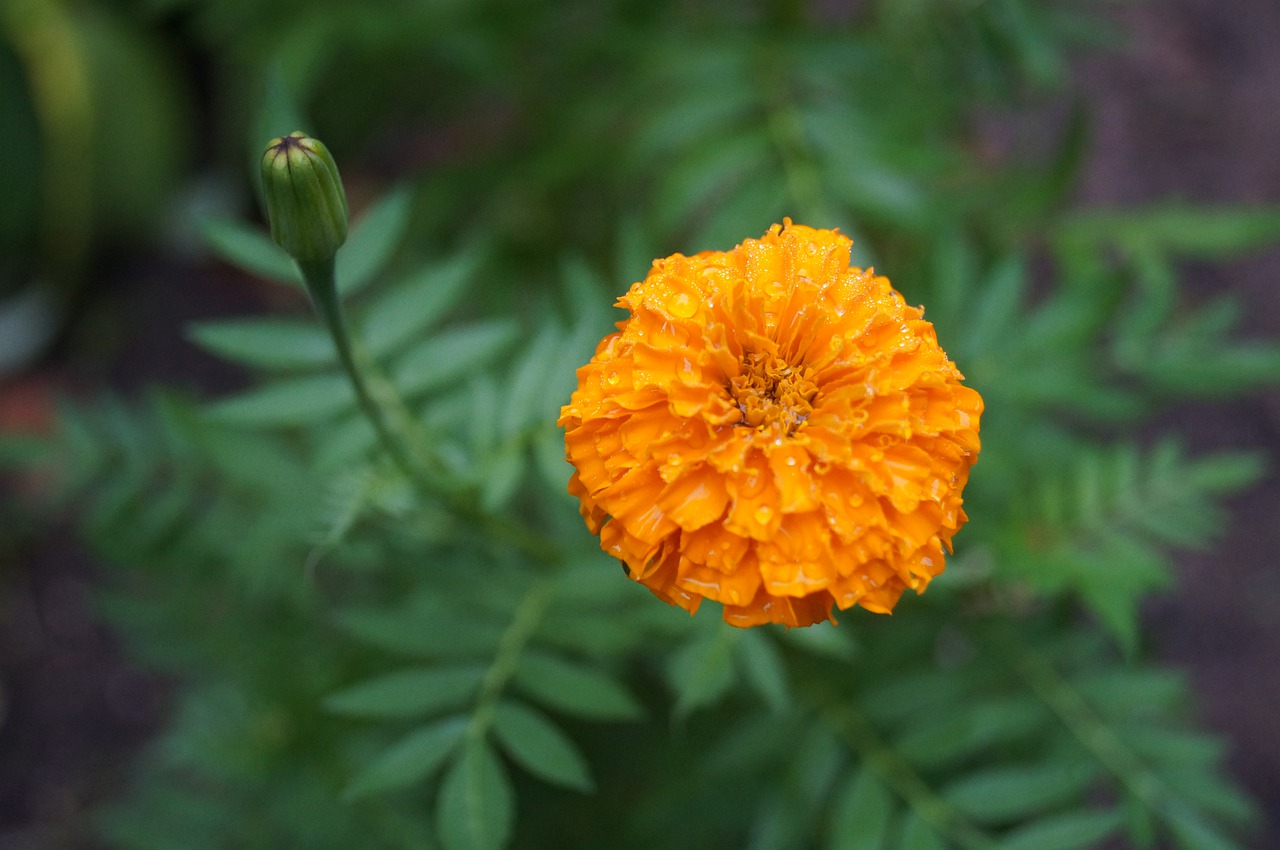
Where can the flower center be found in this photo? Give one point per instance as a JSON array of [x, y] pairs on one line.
[[771, 392]]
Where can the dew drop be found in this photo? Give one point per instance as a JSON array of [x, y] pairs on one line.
[[674, 459], [612, 378], [763, 514], [837, 342], [791, 461], [683, 306]]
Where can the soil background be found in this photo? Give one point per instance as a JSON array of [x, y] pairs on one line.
[[1189, 111]]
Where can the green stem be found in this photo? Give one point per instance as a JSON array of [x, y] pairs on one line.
[[322, 286], [894, 771], [400, 433], [1096, 736], [528, 615]]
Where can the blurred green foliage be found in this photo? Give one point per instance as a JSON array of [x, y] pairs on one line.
[[368, 663]]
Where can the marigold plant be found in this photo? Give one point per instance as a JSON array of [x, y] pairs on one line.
[[774, 430]]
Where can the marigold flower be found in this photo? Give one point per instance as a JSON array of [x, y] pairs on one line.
[[773, 430]]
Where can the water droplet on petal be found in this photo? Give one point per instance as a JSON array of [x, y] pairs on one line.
[[791, 460], [611, 377], [837, 342], [683, 306], [763, 514]]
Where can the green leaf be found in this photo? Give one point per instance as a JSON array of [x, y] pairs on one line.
[[374, 238], [476, 805], [267, 343], [408, 693], [1004, 794], [917, 834], [296, 401], [573, 688], [411, 307], [764, 668], [539, 746], [1184, 229], [448, 356], [1204, 788], [997, 308], [414, 758], [1071, 831], [863, 807], [1192, 832], [702, 671], [943, 739], [249, 249], [526, 388], [428, 627], [1226, 472]]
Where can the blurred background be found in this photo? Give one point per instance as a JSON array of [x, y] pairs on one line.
[[128, 124]]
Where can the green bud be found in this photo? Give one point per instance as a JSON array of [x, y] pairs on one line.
[[306, 204]]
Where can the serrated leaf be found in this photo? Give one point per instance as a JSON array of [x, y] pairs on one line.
[[267, 343], [1226, 472], [946, 738], [373, 240], [502, 473], [997, 307], [1173, 748], [917, 834], [764, 669], [1008, 793], [823, 639], [1070, 831], [540, 746], [476, 806], [903, 696], [1207, 790], [449, 355], [427, 628], [573, 688], [528, 379], [411, 307], [1192, 832], [1184, 229], [863, 808], [409, 692], [414, 758], [296, 401], [702, 671], [249, 249]]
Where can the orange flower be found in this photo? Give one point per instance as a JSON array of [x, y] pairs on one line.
[[773, 430]]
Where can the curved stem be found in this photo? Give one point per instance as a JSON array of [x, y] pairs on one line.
[[523, 624], [399, 432], [322, 287]]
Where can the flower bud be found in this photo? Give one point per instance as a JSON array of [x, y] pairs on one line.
[[305, 201]]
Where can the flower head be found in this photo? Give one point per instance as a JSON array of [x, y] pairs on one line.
[[773, 430]]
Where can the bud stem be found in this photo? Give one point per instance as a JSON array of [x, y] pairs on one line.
[[322, 287]]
